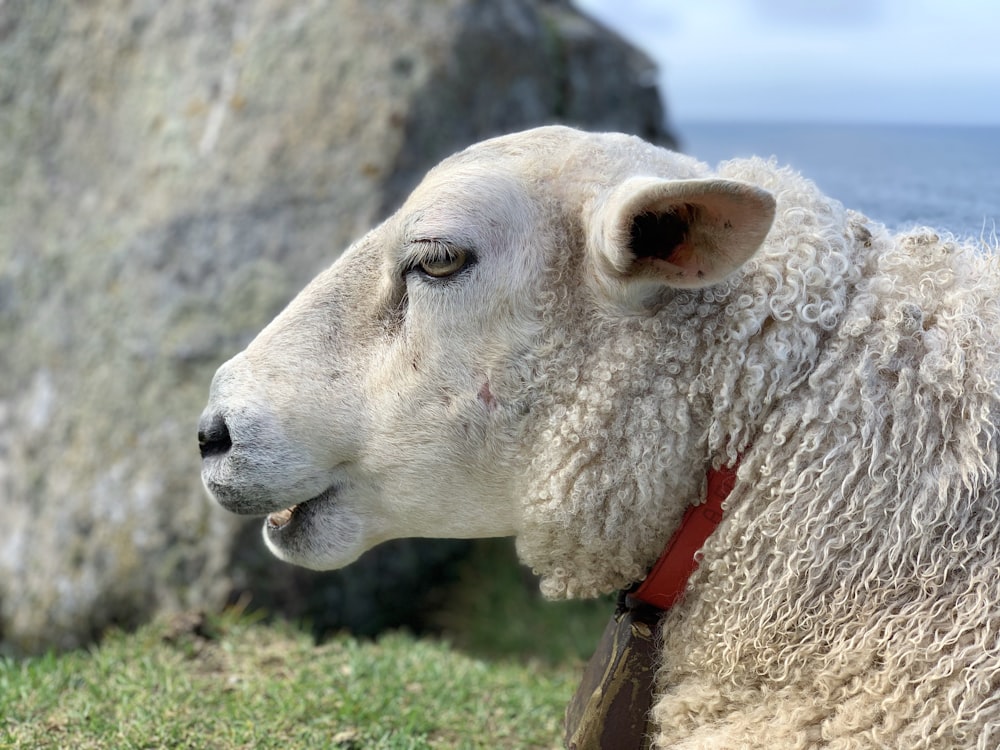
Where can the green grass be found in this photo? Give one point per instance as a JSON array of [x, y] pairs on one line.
[[499, 676]]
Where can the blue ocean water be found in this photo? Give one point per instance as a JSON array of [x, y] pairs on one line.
[[945, 177]]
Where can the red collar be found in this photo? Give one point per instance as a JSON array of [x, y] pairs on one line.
[[611, 706], [669, 576]]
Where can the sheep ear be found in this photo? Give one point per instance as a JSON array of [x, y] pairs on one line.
[[681, 233]]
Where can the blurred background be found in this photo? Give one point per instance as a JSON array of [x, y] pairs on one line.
[[172, 174]]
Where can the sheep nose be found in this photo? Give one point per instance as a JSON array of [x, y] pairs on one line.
[[213, 436]]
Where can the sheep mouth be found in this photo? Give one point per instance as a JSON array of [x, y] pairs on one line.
[[279, 519]]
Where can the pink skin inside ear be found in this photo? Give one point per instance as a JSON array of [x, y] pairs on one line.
[[683, 262], [685, 258]]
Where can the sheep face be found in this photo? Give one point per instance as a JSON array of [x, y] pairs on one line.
[[409, 388]]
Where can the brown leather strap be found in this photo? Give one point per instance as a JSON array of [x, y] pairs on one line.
[[611, 706]]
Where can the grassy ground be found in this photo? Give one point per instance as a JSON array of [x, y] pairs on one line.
[[499, 676]]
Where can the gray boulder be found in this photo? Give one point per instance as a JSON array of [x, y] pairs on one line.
[[172, 174]]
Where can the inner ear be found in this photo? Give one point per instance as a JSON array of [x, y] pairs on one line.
[[661, 236], [681, 233]]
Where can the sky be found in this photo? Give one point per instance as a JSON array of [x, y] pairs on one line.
[[884, 61]]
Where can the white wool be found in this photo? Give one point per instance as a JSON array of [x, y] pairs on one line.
[[858, 375]]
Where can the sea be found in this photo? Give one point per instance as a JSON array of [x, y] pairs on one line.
[[941, 176]]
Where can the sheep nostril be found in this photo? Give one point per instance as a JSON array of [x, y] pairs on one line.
[[213, 436]]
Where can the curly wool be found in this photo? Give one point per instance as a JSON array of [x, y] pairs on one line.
[[849, 599]]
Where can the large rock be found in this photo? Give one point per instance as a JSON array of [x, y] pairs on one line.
[[172, 174]]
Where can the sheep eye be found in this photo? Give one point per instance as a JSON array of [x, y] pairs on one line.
[[446, 263]]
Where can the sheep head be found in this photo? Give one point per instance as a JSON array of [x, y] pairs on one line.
[[437, 379]]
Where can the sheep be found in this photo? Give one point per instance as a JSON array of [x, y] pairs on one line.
[[559, 333]]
